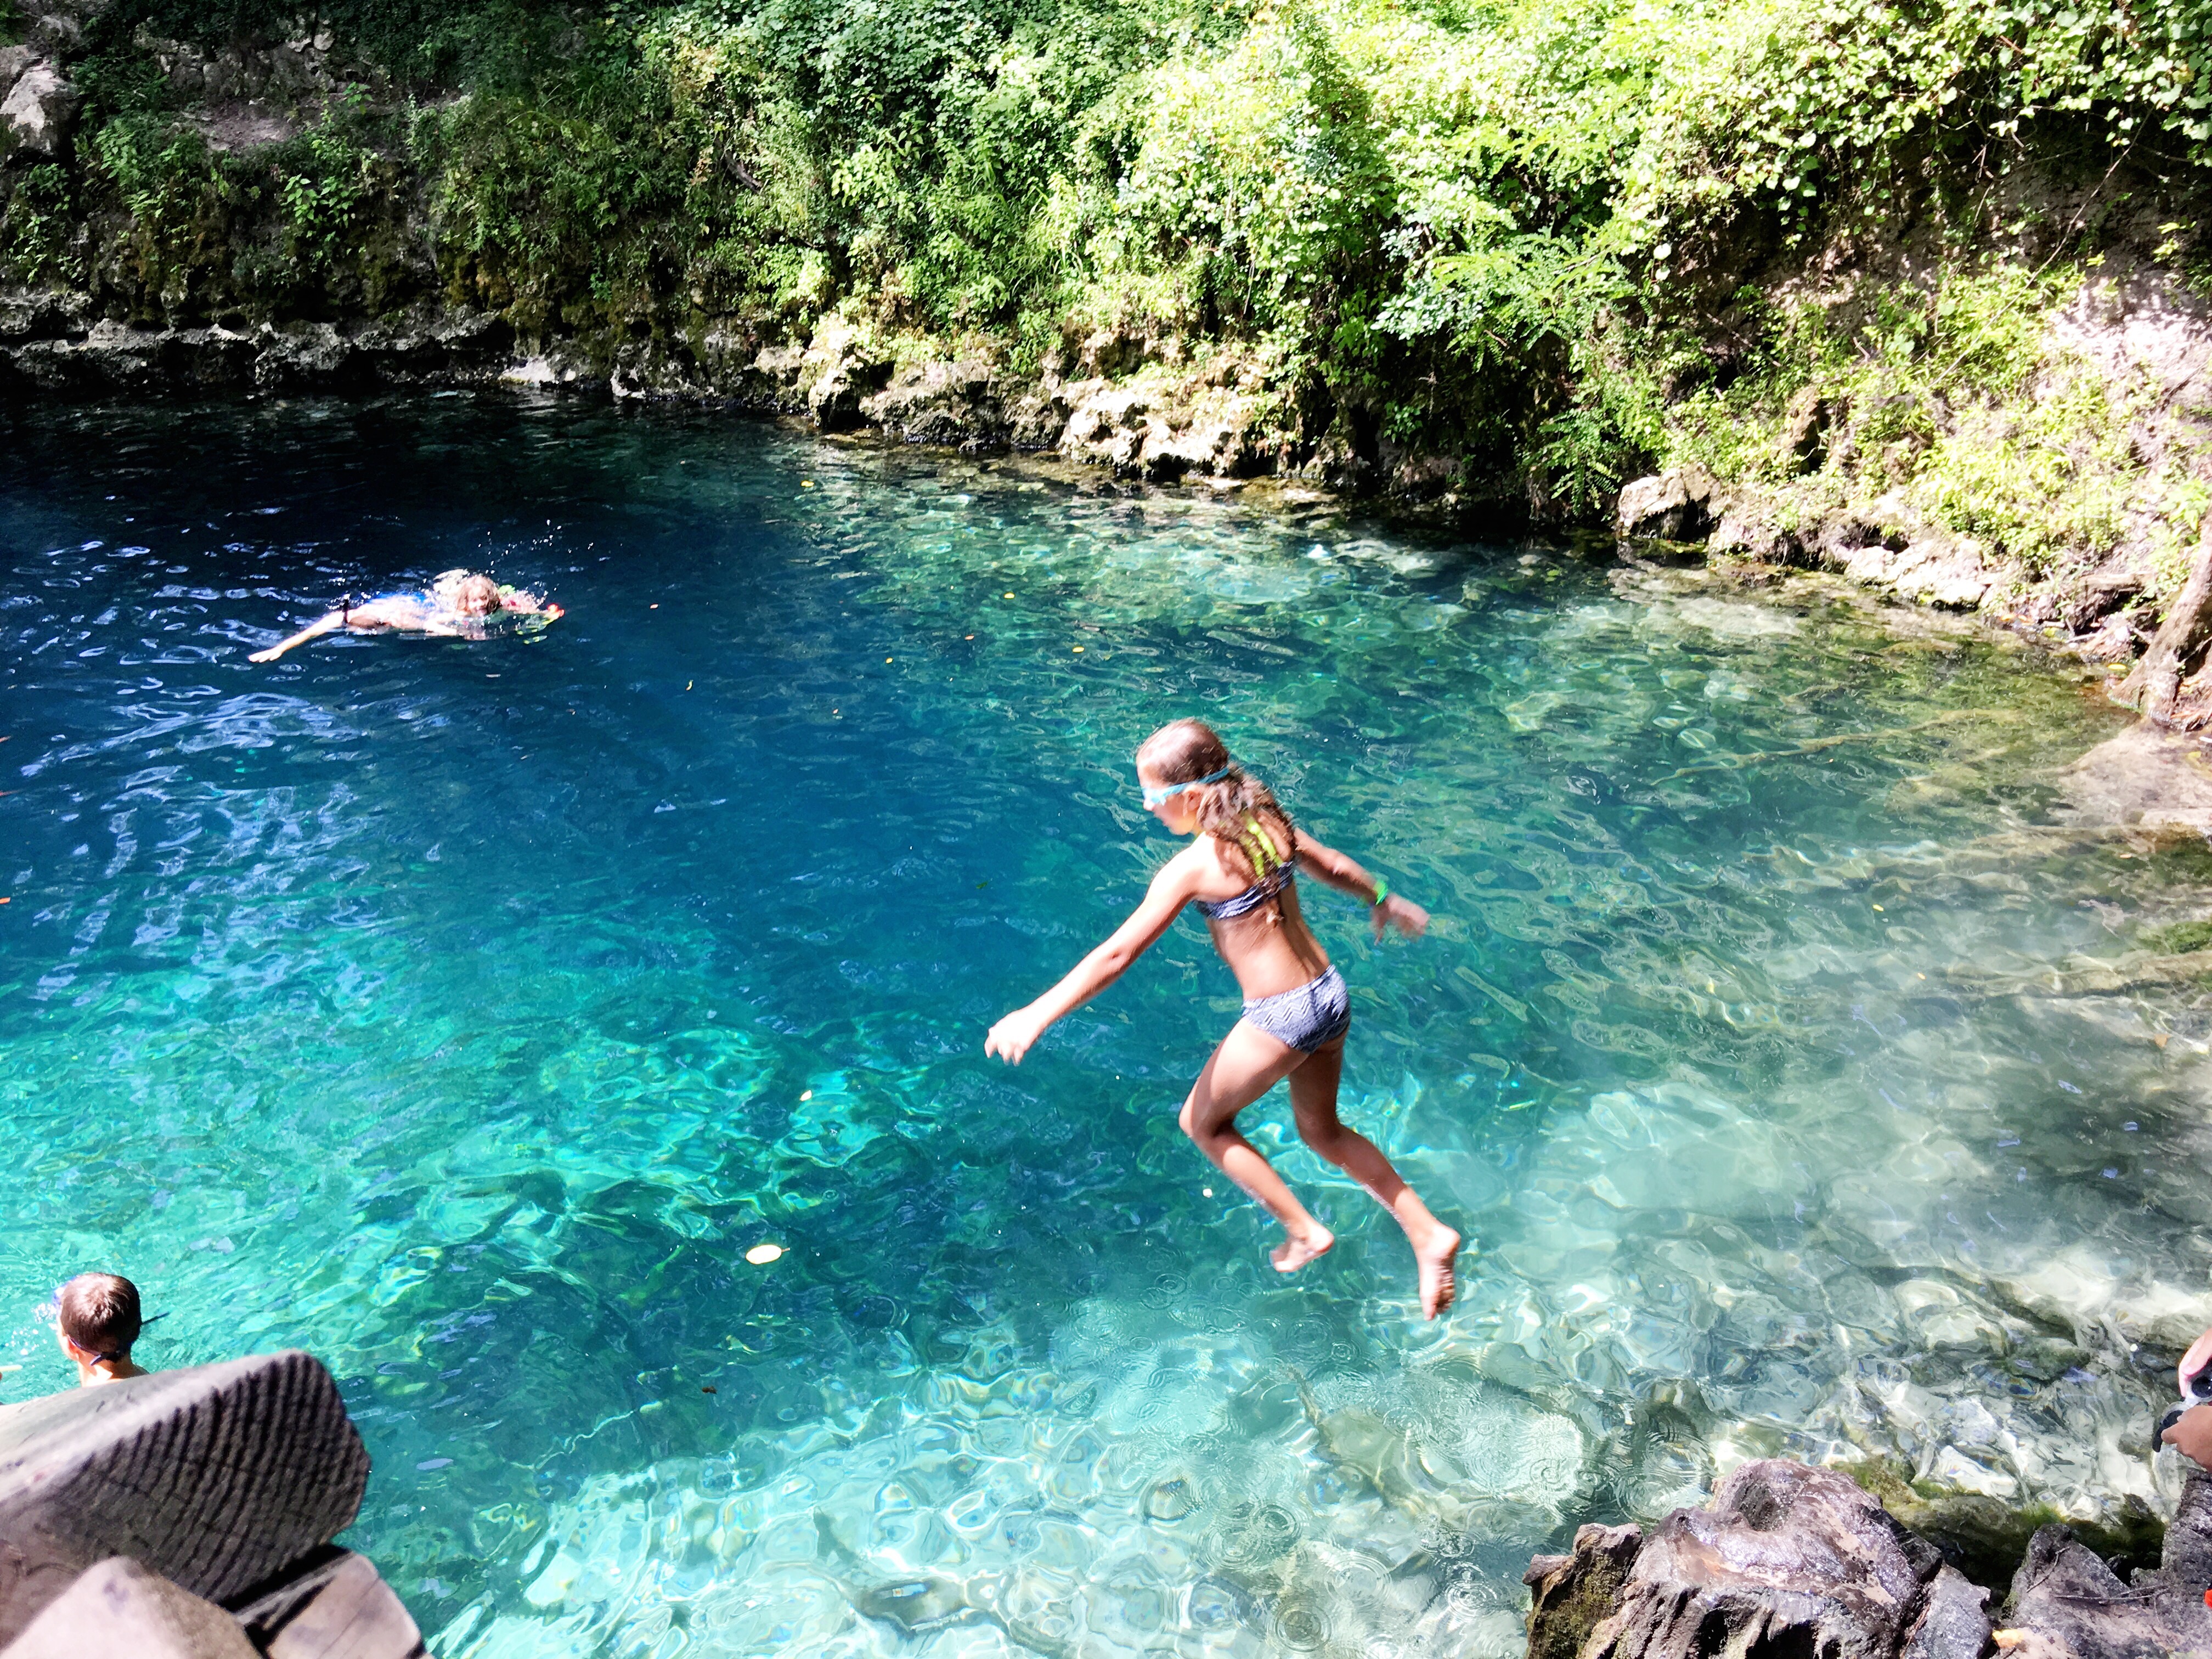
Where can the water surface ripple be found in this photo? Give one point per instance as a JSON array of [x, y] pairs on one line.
[[465, 1012]]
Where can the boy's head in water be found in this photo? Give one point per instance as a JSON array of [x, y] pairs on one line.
[[470, 594], [99, 1321]]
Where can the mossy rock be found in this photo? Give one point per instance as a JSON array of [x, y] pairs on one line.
[[1985, 1537], [2178, 939]]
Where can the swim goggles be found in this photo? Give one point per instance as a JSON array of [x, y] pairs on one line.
[[1167, 792]]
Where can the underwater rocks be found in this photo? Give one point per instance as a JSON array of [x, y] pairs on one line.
[[2155, 781], [1788, 1558]]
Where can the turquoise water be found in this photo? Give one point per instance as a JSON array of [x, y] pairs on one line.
[[463, 1012]]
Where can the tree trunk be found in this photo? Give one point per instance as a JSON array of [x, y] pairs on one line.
[[2154, 690]]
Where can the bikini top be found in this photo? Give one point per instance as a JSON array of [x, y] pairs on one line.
[[1274, 875]]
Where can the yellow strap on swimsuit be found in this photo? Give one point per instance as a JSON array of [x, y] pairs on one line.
[[1264, 851]]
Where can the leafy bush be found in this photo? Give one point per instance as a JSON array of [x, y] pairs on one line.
[[1521, 232], [38, 224]]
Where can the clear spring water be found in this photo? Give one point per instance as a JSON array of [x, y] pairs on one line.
[[465, 1012]]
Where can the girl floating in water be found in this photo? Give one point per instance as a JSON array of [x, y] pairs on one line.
[[1239, 873], [454, 605]]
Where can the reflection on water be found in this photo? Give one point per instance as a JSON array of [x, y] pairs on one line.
[[466, 1013]]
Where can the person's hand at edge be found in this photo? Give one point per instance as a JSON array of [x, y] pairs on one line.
[[2193, 1436], [1408, 917], [2198, 1356], [1014, 1035]]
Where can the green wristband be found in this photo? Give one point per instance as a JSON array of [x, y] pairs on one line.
[[1382, 892]]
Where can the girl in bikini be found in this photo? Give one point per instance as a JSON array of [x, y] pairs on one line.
[[453, 605], [1240, 872]]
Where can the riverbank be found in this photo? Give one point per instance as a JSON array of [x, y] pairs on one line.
[[1949, 335]]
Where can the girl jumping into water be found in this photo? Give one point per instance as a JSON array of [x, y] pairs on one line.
[[1239, 872]]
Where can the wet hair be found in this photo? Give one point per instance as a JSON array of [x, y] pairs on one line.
[[99, 1315], [1183, 751], [450, 584]]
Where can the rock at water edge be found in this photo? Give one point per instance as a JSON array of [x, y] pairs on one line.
[[1798, 1559], [1574, 1593], [116, 1608], [218, 1478], [338, 1607]]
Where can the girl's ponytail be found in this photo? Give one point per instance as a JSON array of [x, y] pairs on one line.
[[1238, 811]]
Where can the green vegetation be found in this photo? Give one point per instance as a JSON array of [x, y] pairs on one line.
[[1545, 239], [1945, 396], [2178, 939]]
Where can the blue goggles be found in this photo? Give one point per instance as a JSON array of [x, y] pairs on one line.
[[1168, 792]]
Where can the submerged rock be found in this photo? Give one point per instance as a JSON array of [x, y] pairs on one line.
[[2156, 779]]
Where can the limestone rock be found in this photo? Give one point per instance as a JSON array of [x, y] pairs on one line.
[[558, 365], [2098, 596], [2075, 1606], [1744, 529], [14, 60], [1111, 353], [1162, 430], [112, 356], [1804, 430], [29, 314], [1675, 506], [1574, 1593], [36, 116], [656, 368], [1037, 421], [57, 32], [849, 371], [304, 355], [780, 365], [338, 1607], [217, 1478], [937, 403], [117, 1607], [1792, 1559], [726, 357]]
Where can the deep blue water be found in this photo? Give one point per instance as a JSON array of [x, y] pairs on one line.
[[464, 1011]]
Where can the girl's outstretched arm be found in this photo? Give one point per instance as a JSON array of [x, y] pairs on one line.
[[313, 630], [1326, 864], [1014, 1035]]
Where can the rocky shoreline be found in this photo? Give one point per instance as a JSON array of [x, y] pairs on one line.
[[1787, 1558], [1130, 405]]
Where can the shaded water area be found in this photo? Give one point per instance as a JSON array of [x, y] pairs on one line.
[[465, 1012]]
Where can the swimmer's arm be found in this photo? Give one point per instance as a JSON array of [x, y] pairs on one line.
[[1014, 1035], [1336, 870], [313, 630]]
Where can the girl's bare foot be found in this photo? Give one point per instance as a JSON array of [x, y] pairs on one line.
[[1294, 1253], [1438, 1283]]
